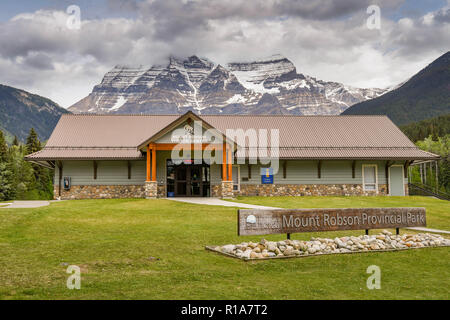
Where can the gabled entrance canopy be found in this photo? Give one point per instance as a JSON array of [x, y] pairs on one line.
[[187, 117], [225, 145]]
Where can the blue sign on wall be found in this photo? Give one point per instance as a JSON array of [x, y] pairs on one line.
[[266, 175]]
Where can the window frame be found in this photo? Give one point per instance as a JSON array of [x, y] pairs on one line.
[[376, 177]]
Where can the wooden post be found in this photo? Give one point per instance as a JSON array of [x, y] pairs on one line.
[[129, 169], [95, 170], [148, 163], [421, 173], [437, 176], [153, 162], [405, 168], [425, 173], [319, 169], [249, 171], [353, 168], [60, 167], [224, 162], [388, 164], [284, 169]]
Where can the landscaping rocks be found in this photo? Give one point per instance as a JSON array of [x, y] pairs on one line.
[[316, 246]]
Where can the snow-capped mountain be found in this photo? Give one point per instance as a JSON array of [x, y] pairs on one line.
[[268, 86]]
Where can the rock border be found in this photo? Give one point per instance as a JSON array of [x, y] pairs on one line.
[[213, 249], [343, 245]]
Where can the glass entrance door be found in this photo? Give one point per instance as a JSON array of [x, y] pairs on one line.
[[181, 180], [195, 172], [188, 180]]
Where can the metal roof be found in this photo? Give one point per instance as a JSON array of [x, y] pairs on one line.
[[301, 137]]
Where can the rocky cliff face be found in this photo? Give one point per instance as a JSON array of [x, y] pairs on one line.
[[269, 86]]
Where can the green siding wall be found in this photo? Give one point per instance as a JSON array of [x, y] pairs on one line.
[[108, 172], [298, 172]]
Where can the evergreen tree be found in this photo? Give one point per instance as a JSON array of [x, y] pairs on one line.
[[43, 177], [6, 175], [3, 148], [33, 144], [16, 141]]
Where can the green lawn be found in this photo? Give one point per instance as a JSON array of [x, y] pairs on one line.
[[112, 241], [438, 211]]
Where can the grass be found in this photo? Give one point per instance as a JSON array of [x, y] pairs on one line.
[[438, 211], [112, 241]]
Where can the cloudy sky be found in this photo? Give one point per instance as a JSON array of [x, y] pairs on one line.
[[43, 52]]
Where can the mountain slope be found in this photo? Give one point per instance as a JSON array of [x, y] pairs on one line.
[[21, 110], [425, 95], [205, 87], [436, 127]]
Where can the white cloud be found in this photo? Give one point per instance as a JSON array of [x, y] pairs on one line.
[[325, 39]]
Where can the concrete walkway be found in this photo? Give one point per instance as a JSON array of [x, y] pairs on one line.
[[219, 202], [24, 204], [428, 230]]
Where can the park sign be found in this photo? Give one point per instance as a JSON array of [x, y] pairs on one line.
[[260, 221]]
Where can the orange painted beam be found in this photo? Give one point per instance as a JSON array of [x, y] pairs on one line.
[[224, 162], [153, 163], [148, 163], [230, 164]]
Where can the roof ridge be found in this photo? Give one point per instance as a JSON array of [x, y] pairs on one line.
[[230, 115]]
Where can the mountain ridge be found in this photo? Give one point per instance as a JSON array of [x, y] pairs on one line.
[[20, 111], [205, 87], [424, 96]]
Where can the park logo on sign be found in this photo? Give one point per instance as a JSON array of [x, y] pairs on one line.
[[251, 219]]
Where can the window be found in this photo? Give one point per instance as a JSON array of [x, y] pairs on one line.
[[369, 175], [236, 177]]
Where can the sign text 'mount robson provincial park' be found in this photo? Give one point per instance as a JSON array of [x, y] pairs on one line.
[[258, 222]]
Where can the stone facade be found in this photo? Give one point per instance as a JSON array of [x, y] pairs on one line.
[[224, 190], [162, 191], [216, 190], [151, 189], [100, 192], [227, 189], [307, 190]]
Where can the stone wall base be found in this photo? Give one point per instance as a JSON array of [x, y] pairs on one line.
[[223, 190], [151, 189], [226, 190], [307, 190], [100, 192]]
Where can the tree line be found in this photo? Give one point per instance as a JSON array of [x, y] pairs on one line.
[[435, 127], [19, 179], [440, 146]]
